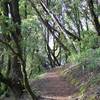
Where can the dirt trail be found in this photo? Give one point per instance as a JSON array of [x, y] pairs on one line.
[[53, 87]]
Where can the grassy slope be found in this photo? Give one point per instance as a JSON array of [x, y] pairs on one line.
[[88, 82]]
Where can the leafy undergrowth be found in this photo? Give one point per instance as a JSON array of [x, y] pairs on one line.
[[87, 82]]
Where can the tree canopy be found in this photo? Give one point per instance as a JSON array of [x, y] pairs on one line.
[[40, 35]]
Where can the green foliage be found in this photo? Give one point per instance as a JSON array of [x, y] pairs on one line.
[[89, 40], [96, 80], [82, 89], [25, 7], [32, 42], [89, 51], [2, 88], [34, 64], [32, 47]]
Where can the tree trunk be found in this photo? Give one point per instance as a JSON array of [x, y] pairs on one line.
[[15, 87], [94, 16], [16, 73], [15, 66], [18, 59]]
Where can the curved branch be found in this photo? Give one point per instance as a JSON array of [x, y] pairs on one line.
[[9, 46], [53, 16]]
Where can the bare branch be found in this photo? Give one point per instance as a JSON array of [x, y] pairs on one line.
[[57, 21]]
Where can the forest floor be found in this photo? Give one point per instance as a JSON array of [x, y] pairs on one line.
[[51, 86], [54, 87]]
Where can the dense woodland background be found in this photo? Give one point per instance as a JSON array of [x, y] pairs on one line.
[[39, 35]]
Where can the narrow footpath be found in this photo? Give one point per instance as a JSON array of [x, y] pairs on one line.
[[53, 87]]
